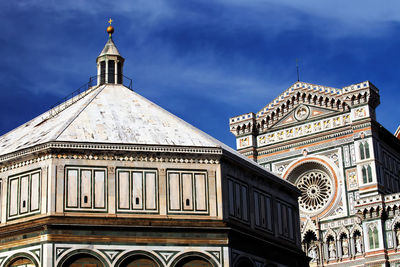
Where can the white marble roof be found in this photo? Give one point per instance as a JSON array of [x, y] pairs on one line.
[[108, 114], [109, 49]]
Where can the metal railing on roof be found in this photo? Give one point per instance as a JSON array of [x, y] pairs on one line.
[[84, 90]]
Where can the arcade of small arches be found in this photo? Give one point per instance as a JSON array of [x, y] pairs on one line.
[[91, 259], [279, 112], [333, 246], [314, 99]]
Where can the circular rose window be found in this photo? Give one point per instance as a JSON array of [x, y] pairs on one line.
[[316, 188]]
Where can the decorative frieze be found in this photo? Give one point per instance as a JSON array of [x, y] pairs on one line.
[[136, 158], [112, 147], [303, 130]]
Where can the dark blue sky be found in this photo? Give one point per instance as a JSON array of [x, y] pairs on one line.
[[204, 61]]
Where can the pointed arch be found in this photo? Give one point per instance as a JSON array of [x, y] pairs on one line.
[[369, 173], [309, 98], [332, 102], [364, 174], [356, 227], [366, 147], [320, 100], [328, 234], [361, 149]]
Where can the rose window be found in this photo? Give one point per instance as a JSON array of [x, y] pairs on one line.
[[316, 190]]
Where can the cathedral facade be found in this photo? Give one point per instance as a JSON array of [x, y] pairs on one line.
[[108, 178], [328, 143]]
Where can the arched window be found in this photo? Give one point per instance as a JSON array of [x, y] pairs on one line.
[[366, 147], [369, 172], [376, 238], [364, 175], [373, 237], [364, 150], [362, 155]]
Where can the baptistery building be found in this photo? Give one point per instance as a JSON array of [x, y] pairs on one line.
[[327, 141], [108, 178]]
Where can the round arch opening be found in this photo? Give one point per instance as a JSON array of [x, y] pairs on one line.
[[193, 261], [139, 261], [83, 260], [21, 262], [244, 262]]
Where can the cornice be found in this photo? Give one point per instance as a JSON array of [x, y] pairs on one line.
[[91, 151], [111, 147]]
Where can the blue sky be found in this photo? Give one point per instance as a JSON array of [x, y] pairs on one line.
[[204, 61]]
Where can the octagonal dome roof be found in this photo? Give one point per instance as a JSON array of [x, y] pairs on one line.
[[110, 113]]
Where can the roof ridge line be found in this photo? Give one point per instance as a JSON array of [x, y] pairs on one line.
[[68, 123]]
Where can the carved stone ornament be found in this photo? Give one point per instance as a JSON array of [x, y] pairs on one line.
[[302, 113]]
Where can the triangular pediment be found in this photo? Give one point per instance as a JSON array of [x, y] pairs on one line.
[[319, 101], [302, 113]]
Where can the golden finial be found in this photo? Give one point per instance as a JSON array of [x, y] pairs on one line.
[[110, 29]]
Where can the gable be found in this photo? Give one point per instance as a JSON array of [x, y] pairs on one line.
[[302, 113]]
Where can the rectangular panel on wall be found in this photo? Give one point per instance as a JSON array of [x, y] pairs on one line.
[[238, 197], [86, 189], [23, 194], [123, 190], [13, 197], [35, 190], [72, 188], [99, 189], [231, 198], [151, 192], [279, 216], [286, 220], [268, 213], [263, 214], [238, 209], [174, 192], [257, 209], [262, 211], [245, 213], [187, 192], [201, 193], [290, 223], [137, 190]]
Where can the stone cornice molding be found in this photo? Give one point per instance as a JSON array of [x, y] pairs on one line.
[[105, 148]]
